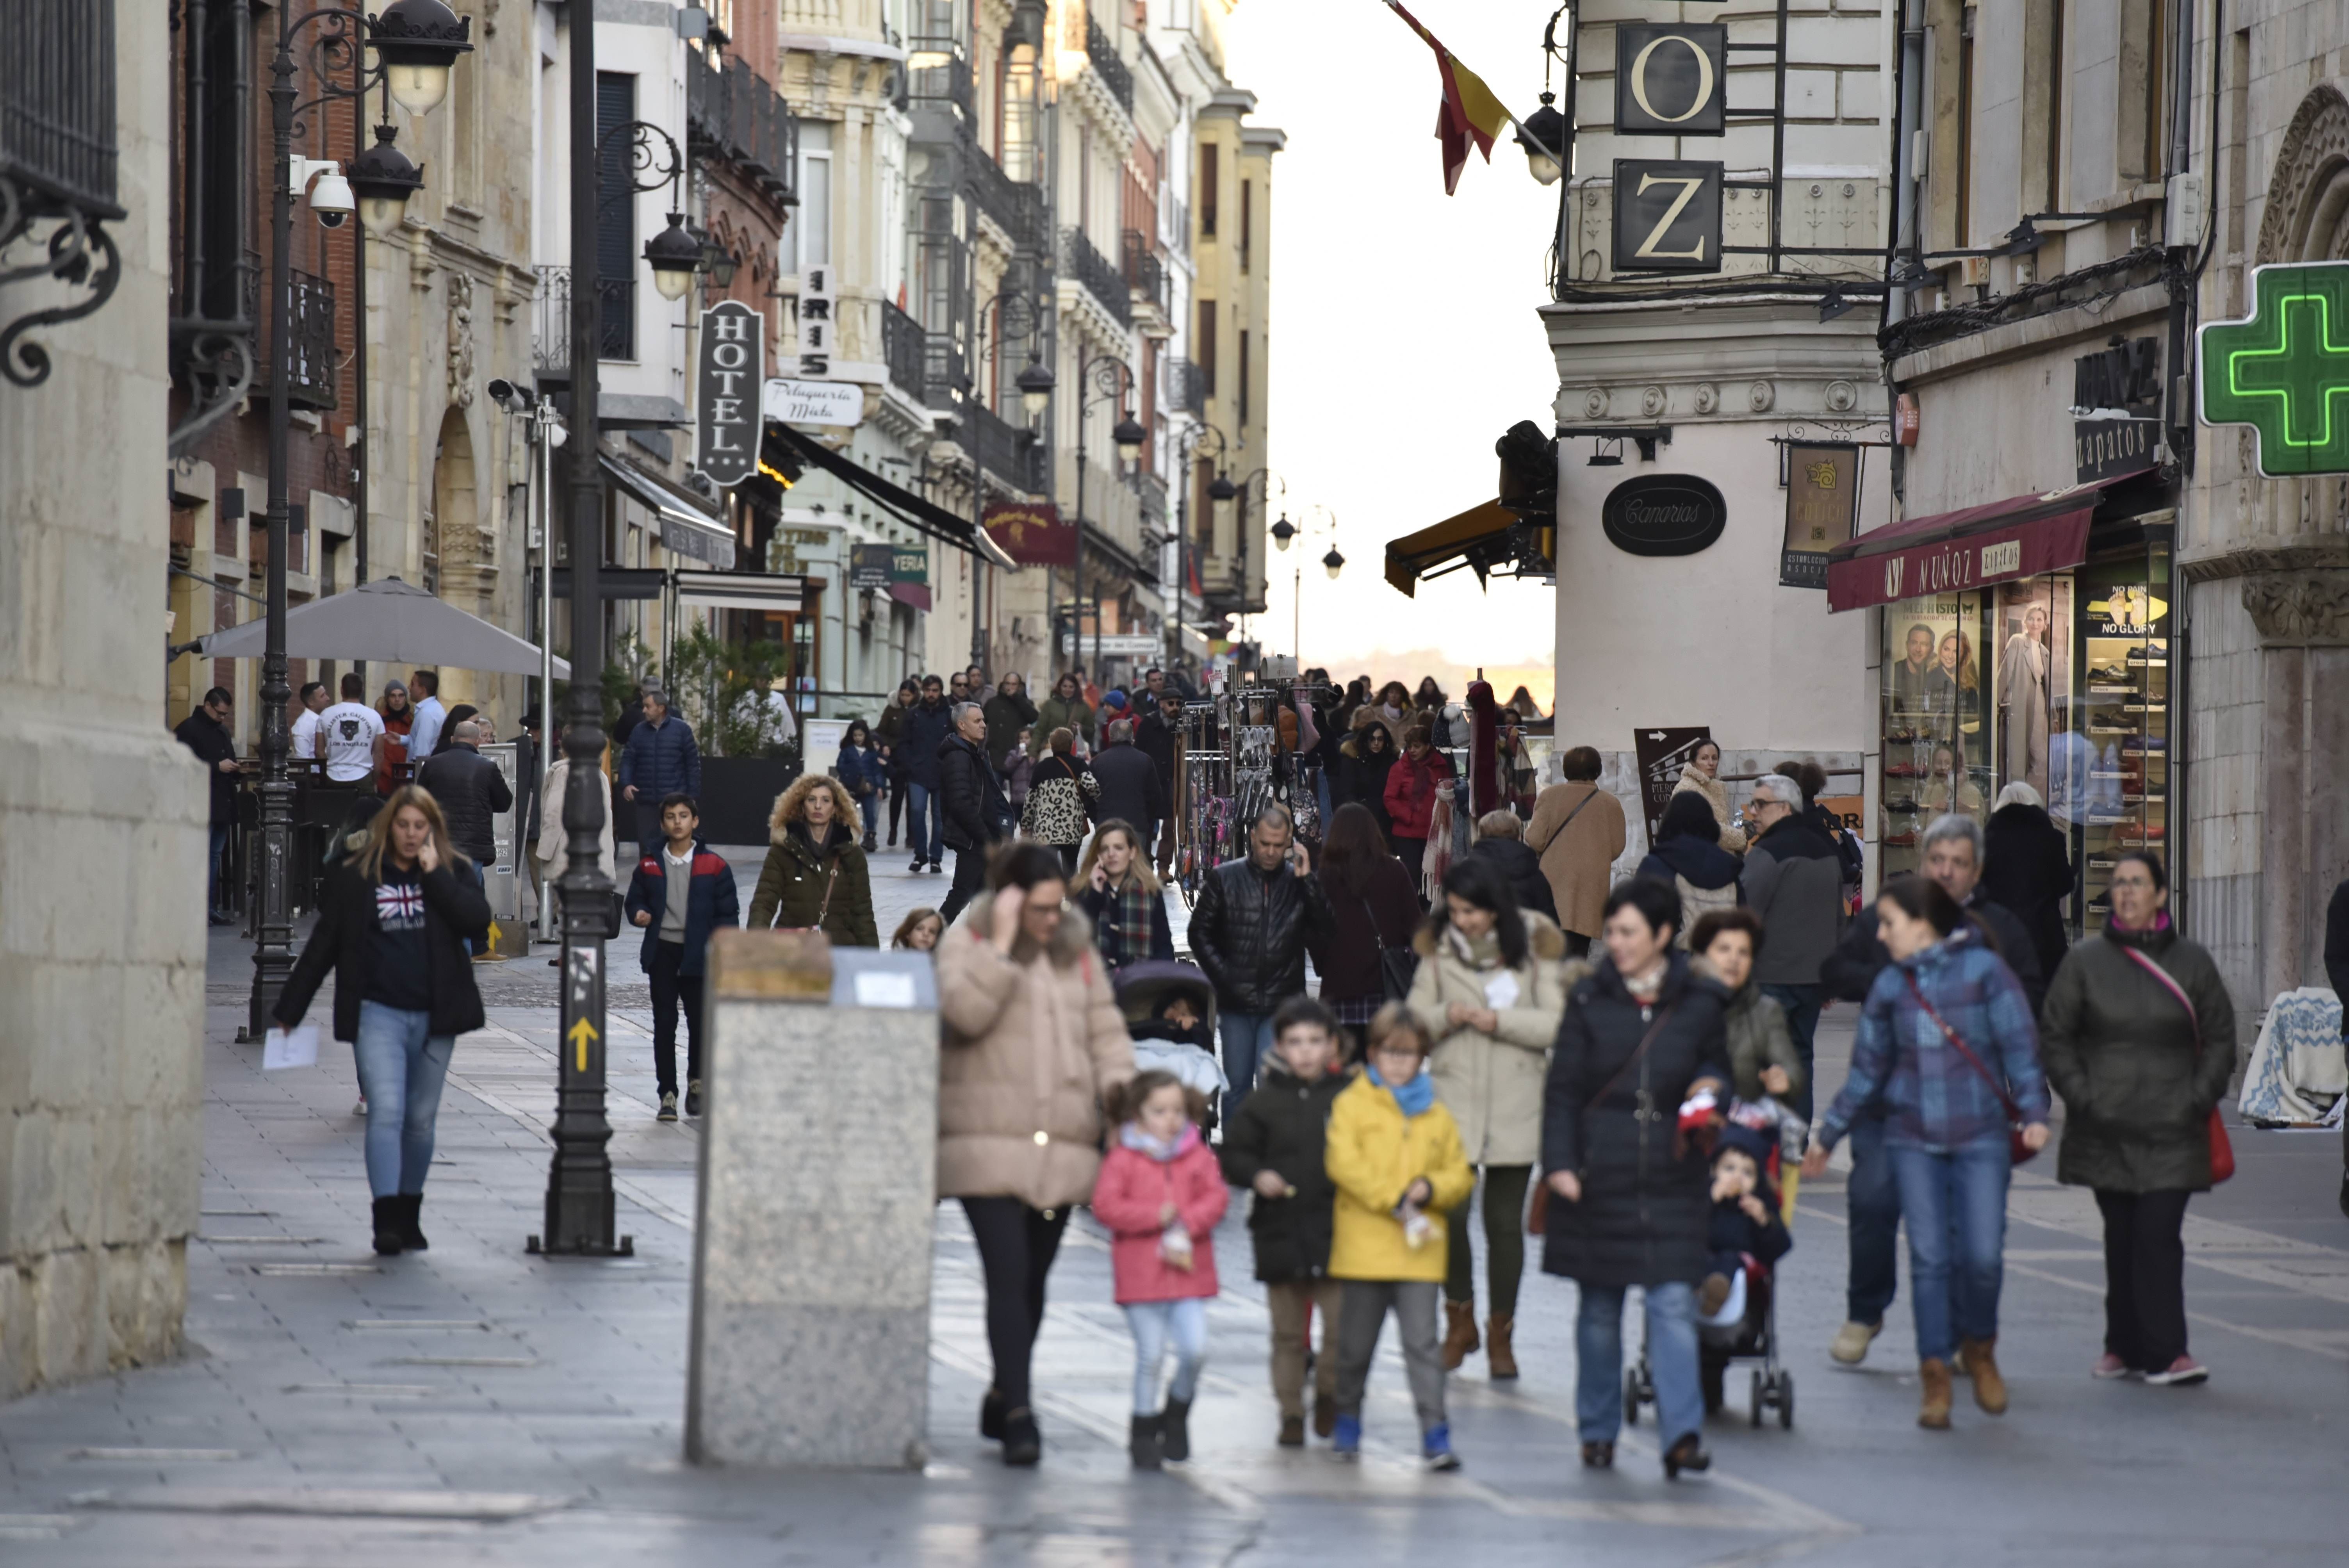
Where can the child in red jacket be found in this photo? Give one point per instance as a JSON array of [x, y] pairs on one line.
[[1161, 1193]]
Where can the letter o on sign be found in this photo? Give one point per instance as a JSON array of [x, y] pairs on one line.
[[1698, 100], [1670, 78]]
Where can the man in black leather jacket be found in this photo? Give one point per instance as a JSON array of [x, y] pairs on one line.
[[471, 791], [1254, 918], [1953, 858], [978, 813]]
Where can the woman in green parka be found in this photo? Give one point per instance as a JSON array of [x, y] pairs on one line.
[[2138, 1037], [1065, 709], [815, 872]]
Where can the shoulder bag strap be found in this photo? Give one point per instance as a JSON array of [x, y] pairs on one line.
[[2177, 993], [825, 907], [1616, 1078], [2013, 1111]]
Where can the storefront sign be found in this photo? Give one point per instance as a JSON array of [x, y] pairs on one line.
[[2107, 448], [732, 360], [2285, 370], [1953, 565], [1032, 533], [1822, 503], [1662, 754], [791, 402], [1663, 514], [2123, 378], [869, 565], [1670, 78], [816, 321], [1667, 216], [1115, 645]]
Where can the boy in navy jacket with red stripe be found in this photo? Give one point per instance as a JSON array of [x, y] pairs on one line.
[[681, 892]]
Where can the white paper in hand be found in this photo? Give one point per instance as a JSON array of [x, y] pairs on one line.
[[297, 1049], [1501, 992]]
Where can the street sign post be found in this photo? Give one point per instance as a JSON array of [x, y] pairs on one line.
[[2284, 371]]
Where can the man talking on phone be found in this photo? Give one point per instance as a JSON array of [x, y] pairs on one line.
[[1254, 917]]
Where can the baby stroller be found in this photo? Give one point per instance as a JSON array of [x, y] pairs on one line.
[[1744, 1329], [1145, 991]]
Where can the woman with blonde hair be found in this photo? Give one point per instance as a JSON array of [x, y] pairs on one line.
[[393, 923], [815, 875], [1121, 899]]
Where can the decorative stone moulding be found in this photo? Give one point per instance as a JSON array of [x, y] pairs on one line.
[[1708, 397], [1594, 403], [1761, 396], [1842, 397], [2299, 609], [1651, 402]]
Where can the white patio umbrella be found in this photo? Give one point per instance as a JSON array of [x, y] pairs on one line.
[[388, 622]]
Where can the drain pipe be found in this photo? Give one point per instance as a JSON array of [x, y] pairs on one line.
[[1906, 179]]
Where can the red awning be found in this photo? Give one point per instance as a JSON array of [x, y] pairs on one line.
[[1953, 552]]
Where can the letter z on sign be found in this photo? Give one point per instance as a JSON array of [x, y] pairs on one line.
[[2004, 556]]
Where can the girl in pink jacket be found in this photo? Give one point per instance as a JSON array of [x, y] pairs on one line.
[[1161, 1193]]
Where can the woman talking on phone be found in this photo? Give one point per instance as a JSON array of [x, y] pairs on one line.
[[393, 924]]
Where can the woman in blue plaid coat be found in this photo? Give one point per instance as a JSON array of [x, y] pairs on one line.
[[1947, 1048]]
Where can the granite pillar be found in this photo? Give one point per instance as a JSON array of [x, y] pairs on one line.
[[811, 1327]]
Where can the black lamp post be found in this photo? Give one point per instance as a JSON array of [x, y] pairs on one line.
[[1219, 492], [1111, 379], [416, 43], [581, 1221]]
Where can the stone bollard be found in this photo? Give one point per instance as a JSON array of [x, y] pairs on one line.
[[811, 1334]]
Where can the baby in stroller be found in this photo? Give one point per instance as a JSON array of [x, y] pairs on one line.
[[1170, 1013], [1746, 1238]]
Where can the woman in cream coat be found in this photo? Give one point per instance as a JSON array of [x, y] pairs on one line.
[[1489, 991], [1702, 777]]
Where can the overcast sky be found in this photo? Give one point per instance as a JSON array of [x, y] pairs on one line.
[[1403, 334]]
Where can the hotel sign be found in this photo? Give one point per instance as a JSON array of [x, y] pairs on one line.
[[726, 392]]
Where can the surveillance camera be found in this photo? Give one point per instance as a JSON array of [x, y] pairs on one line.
[[330, 199], [502, 392]]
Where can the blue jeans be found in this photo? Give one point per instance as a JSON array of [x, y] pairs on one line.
[[926, 823], [1954, 1201], [220, 832], [1872, 1204], [1154, 1323], [870, 806], [401, 1067], [1671, 1359], [1801, 1005], [1246, 1038]]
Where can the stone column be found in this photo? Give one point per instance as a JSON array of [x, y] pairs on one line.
[[812, 1249]]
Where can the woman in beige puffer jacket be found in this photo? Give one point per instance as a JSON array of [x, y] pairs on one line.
[[1489, 991], [1699, 778], [1033, 1042]]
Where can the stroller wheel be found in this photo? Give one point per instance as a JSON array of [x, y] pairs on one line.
[[1760, 1394], [1786, 1402], [1632, 1397]]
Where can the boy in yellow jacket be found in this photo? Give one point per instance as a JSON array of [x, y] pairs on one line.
[[1395, 1157]]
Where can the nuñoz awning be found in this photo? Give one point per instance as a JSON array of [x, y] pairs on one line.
[[1972, 547]]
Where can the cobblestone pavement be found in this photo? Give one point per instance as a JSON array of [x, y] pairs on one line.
[[474, 1403]]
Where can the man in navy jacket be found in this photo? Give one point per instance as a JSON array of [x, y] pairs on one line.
[[928, 723], [660, 760]]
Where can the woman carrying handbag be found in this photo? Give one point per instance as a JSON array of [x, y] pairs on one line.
[[2139, 1037], [1366, 961], [815, 876], [1947, 1048]]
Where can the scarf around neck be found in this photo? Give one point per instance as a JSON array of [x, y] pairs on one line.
[[1162, 1149], [1414, 1097], [1476, 952]]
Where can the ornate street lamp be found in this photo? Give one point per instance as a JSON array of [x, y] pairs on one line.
[[1035, 385], [423, 37], [1129, 434], [383, 180], [1333, 563], [1542, 136], [1221, 490], [675, 257], [1112, 381], [1189, 442], [1282, 533]]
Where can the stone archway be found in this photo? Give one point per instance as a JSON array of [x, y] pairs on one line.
[[2307, 213]]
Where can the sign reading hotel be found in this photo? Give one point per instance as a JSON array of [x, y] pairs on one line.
[[732, 358], [2285, 370], [1822, 500]]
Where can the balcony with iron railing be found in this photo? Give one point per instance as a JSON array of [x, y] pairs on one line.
[[1147, 281], [944, 83], [1186, 387], [1009, 451], [735, 114], [1099, 275], [1016, 205], [551, 329], [1112, 507], [1101, 49], [905, 347], [311, 336]]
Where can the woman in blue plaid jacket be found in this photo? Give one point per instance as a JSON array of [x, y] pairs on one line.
[[1947, 1048]]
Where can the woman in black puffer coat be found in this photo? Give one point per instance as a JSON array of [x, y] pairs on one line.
[[1631, 1202]]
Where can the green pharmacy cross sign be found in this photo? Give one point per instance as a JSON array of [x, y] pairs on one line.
[[2285, 372]]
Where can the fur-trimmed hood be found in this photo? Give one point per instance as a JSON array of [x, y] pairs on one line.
[[1543, 939], [791, 804]]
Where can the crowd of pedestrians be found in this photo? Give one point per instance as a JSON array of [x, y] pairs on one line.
[[1622, 1066]]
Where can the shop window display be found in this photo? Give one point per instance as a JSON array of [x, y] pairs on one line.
[[2075, 703]]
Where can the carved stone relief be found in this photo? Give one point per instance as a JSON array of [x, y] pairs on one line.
[[2299, 608]]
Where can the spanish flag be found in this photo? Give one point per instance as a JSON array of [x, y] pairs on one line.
[[1469, 108]]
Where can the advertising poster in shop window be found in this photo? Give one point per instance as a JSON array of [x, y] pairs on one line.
[[1662, 754], [1822, 500]]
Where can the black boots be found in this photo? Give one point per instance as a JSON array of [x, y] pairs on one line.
[[396, 1229], [1175, 1429], [1022, 1444], [388, 1237], [1147, 1442], [411, 1207], [990, 1416]]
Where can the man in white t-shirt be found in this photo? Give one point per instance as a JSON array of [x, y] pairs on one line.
[[350, 736], [303, 747], [424, 734]]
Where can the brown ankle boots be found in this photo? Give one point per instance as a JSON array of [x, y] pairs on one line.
[[1459, 1332], [1933, 1408], [1500, 1356], [1989, 1389]]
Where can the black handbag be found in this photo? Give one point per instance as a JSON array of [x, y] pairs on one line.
[[1398, 966]]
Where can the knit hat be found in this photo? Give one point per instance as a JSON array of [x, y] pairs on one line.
[[1113, 699]]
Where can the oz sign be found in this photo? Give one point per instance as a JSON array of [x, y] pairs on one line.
[[2286, 371]]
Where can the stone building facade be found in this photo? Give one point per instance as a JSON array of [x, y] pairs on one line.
[[102, 813]]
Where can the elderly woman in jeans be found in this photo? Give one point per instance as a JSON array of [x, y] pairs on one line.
[[1947, 1046]]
